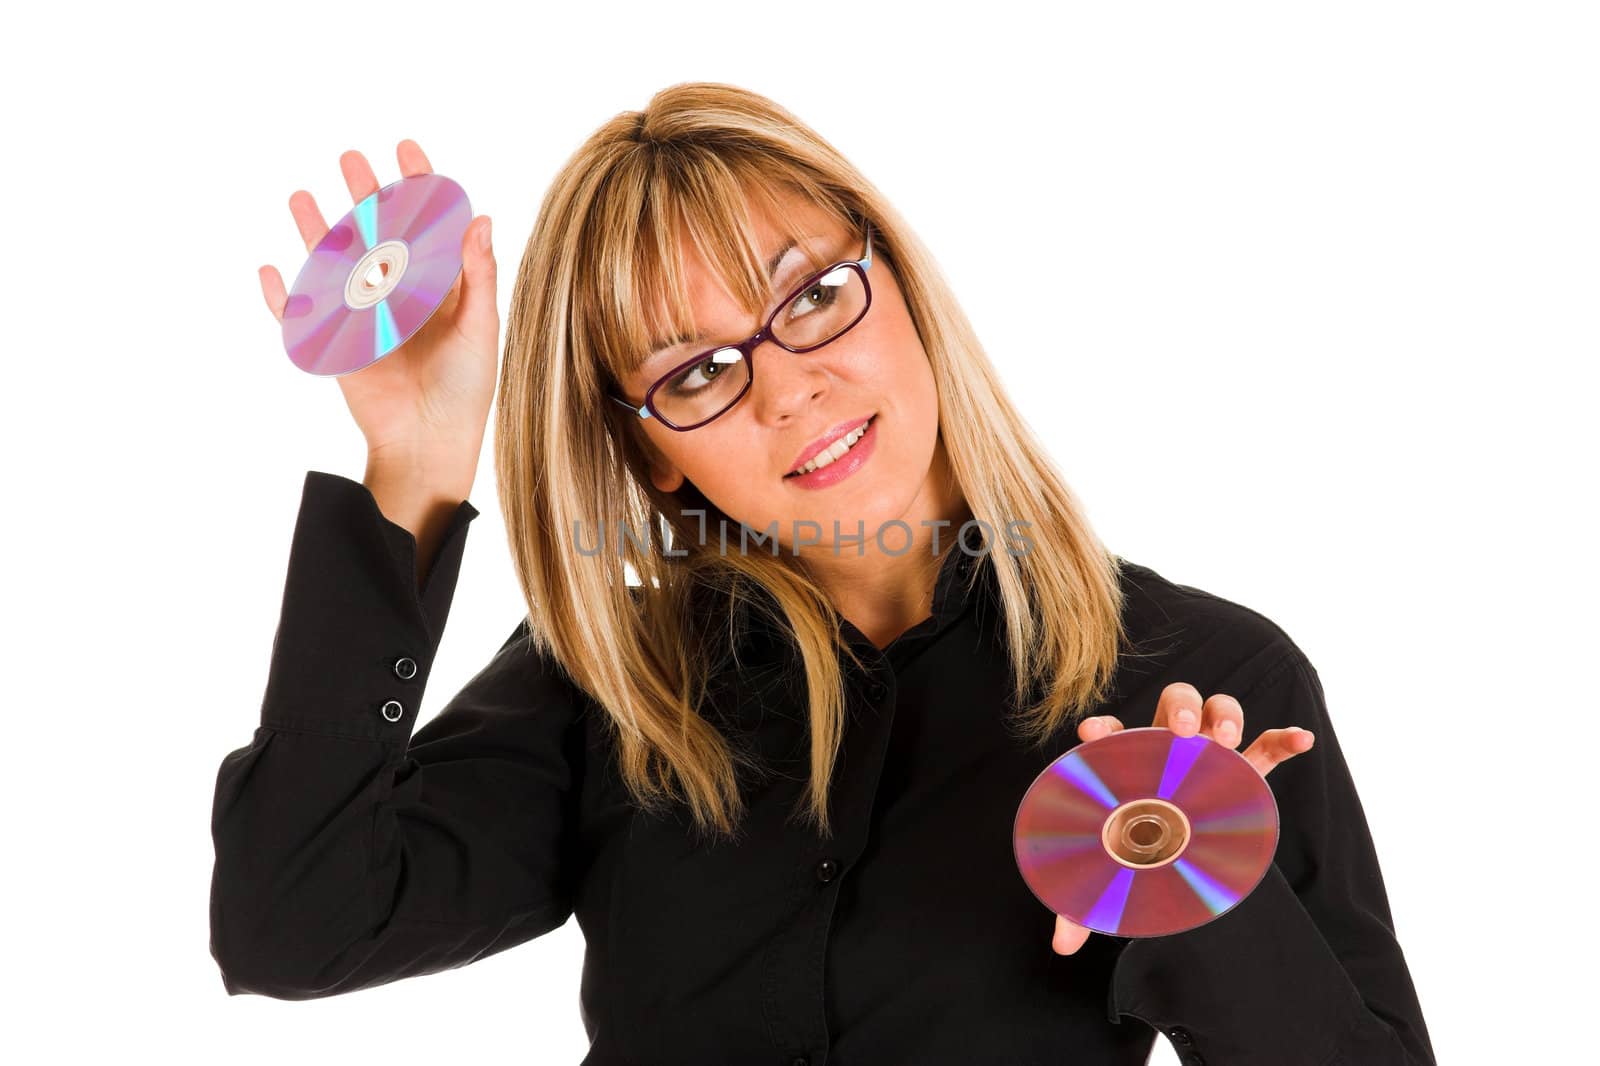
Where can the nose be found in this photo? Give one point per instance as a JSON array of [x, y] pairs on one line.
[[786, 384]]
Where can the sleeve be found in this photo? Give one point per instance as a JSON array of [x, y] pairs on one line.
[[1306, 969], [349, 853]]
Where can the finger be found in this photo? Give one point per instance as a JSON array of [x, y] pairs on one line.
[[1276, 745], [362, 183], [272, 290], [358, 175], [1178, 709], [411, 159], [477, 316], [307, 219], [1099, 726], [1223, 720], [1068, 937]]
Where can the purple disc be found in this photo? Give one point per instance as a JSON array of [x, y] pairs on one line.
[[376, 276], [1145, 833]]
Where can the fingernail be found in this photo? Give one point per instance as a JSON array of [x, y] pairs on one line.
[[1228, 731], [1186, 719], [483, 234]]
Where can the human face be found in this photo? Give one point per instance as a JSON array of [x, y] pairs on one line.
[[877, 370]]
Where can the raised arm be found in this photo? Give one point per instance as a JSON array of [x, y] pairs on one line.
[[350, 853]]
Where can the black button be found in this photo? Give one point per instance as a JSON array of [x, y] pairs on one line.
[[1180, 1036], [405, 668], [876, 690], [799, 1060], [827, 870], [392, 710]]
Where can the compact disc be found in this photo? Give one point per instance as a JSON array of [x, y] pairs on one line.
[[376, 276], [1145, 833]]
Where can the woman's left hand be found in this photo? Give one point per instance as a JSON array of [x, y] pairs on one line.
[[1220, 718]]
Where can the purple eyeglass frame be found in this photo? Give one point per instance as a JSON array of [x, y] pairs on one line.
[[746, 348]]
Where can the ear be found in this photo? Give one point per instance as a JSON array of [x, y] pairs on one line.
[[665, 476]]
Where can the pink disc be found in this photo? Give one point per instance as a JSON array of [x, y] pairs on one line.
[[1145, 833], [376, 276]]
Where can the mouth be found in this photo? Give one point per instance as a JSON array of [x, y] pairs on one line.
[[839, 449]]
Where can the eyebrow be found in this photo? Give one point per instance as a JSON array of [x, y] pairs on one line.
[[659, 343]]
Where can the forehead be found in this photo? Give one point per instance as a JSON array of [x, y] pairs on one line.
[[769, 227], [785, 257]]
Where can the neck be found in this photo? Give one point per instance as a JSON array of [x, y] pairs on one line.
[[884, 595]]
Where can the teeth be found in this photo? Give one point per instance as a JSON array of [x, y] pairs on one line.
[[833, 451]]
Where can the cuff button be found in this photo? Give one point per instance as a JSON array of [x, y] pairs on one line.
[[392, 710], [405, 668]]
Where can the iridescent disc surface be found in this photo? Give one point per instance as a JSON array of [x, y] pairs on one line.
[[1082, 807], [376, 276]]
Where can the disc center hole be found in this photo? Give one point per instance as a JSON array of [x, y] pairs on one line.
[[377, 274], [1144, 833]]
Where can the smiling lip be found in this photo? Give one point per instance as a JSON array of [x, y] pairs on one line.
[[827, 439], [858, 456]]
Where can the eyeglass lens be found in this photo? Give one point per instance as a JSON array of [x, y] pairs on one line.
[[830, 304]]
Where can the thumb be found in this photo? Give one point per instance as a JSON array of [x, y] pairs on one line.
[[477, 315]]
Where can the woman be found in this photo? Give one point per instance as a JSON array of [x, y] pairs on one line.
[[775, 781]]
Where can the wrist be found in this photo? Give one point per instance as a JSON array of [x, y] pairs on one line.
[[422, 507], [422, 474], [418, 493]]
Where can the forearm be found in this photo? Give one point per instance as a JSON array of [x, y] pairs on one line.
[[1261, 984]]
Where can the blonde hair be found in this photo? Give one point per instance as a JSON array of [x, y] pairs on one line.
[[599, 277]]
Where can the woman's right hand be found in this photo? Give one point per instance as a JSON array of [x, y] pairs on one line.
[[423, 407]]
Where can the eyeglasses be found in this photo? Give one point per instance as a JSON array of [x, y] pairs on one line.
[[825, 306]]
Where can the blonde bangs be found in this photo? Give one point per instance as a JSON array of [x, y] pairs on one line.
[[631, 296]]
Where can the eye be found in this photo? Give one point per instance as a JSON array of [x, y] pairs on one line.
[[820, 293], [702, 374]]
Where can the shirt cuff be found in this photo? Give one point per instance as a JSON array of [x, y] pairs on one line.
[[1258, 985], [356, 636]]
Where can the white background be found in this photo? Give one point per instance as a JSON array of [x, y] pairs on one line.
[[1301, 298]]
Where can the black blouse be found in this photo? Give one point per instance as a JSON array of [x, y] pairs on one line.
[[350, 852]]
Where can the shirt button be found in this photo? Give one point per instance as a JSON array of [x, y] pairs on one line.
[[392, 710], [827, 870], [1180, 1036], [405, 668], [875, 691], [799, 1060]]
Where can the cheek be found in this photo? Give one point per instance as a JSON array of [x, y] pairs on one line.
[[905, 362], [906, 380], [720, 467]]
